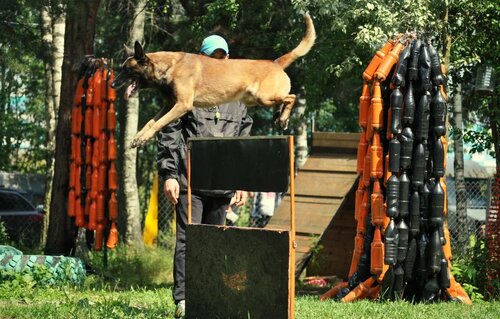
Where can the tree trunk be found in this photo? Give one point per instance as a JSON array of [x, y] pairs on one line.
[[495, 120], [132, 208], [458, 165], [53, 39], [78, 42], [301, 152], [47, 39]]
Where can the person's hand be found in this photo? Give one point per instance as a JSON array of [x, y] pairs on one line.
[[240, 197], [172, 190]]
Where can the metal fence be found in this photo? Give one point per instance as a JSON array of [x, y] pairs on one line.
[[477, 193], [464, 234]]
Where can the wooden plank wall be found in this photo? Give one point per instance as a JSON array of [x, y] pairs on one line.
[[324, 205]]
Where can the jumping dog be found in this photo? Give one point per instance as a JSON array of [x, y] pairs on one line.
[[196, 80]]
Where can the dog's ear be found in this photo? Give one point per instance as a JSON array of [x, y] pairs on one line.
[[128, 51], [139, 52]]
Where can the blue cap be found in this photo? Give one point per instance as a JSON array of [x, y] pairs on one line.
[[212, 43]]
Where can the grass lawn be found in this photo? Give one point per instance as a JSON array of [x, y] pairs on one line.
[[108, 302]]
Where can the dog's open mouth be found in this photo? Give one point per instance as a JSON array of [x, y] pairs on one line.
[[131, 90]]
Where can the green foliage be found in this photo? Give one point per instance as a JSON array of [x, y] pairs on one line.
[[470, 270], [22, 114], [129, 268], [481, 141], [4, 237]]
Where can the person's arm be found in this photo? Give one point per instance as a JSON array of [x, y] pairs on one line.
[[168, 158]]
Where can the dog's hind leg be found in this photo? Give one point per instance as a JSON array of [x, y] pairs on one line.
[[286, 110]]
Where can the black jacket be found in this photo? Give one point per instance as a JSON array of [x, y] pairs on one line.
[[233, 121]]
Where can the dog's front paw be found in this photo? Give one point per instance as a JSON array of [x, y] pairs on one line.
[[141, 139], [282, 124]]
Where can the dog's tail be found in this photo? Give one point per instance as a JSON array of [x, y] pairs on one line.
[[304, 46]]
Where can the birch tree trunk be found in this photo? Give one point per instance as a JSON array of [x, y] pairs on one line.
[[458, 165], [131, 208], [78, 42], [301, 152], [457, 123], [52, 23]]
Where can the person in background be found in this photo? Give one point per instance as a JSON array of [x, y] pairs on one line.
[[264, 205], [208, 206]]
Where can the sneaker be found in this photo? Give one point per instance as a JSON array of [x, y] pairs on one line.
[[180, 309]]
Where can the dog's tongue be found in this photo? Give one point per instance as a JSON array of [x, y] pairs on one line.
[[130, 91]]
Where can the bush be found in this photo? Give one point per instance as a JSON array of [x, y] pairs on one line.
[[470, 270]]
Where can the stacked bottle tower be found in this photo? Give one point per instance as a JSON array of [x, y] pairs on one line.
[[402, 243], [93, 178]]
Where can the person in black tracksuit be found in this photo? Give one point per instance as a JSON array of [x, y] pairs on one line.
[[208, 206]]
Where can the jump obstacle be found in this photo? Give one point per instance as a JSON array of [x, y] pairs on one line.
[[402, 244], [92, 202]]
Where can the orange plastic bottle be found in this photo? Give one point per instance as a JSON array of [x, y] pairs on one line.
[[387, 172], [96, 122], [90, 92], [360, 292], [359, 199], [111, 92], [88, 177], [360, 226], [112, 147], [99, 237], [102, 174], [112, 177], [79, 214], [367, 167], [97, 88], [376, 60], [92, 215], [88, 152], [362, 146], [377, 170], [358, 251], [101, 207], [94, 186], [388, 62], [111, 117], [78, 184], [88, 121], [113, 237], [364, 105], [377, 205], [103, 147], [95, 154], [103, 125], [377, 253], [377, 107], [113, 206]]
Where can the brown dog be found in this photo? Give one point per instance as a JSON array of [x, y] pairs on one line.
[[200, 81]]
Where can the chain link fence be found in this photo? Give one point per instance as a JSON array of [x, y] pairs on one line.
[[465, 232]]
